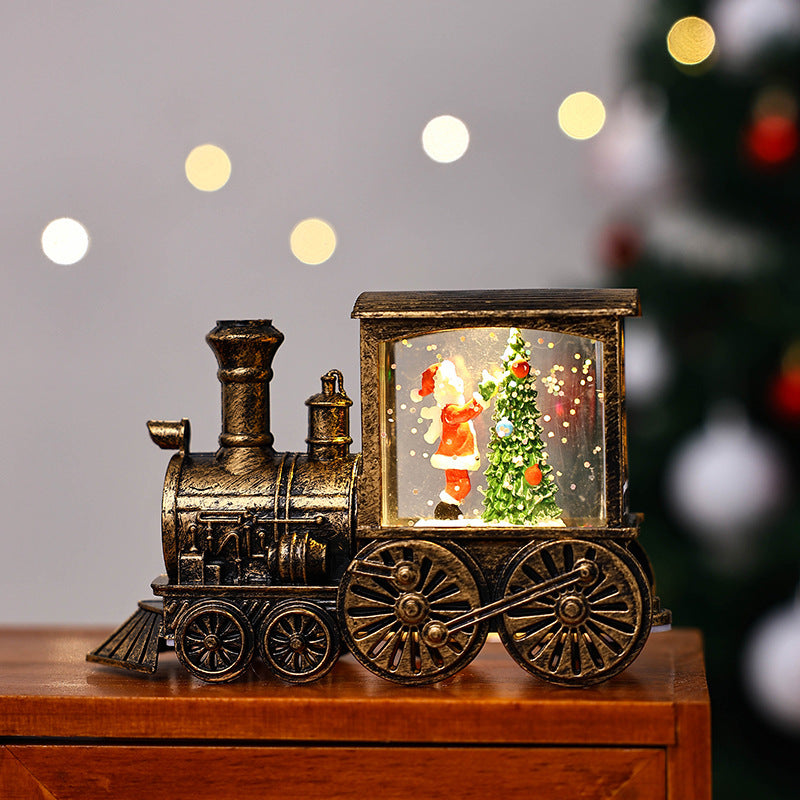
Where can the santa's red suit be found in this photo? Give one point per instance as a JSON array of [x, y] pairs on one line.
[[457, 453]]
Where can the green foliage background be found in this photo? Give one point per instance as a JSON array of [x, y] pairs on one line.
[[727, 332]]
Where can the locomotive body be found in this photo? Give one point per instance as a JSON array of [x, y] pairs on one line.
[[285, 555], [286, 520]]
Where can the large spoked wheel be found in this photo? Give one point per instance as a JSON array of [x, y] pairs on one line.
[[214, 641], [584, 633], [395, 601], [299, 641]]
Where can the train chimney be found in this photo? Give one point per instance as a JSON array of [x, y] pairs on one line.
[[244, 351]]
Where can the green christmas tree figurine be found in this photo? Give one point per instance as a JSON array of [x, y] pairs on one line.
[[519, 487]]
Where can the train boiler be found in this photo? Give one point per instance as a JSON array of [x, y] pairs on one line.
[[490, 497]]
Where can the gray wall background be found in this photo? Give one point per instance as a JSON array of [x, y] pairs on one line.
[[320, 106]]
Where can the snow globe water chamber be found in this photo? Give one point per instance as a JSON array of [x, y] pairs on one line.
[[492, 492]]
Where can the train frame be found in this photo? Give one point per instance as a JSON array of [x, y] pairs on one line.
[[293, 557]]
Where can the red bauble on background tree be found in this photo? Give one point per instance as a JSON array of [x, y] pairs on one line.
[[784, 395], [771, 140], [620, 245]]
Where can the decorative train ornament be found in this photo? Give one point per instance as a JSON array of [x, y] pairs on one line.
[[490, 496]]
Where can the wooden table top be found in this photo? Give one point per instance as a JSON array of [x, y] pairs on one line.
[[47, 689]]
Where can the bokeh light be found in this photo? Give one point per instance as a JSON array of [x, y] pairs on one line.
[[445, 139], [775, 101], [581, 115], [772, 140], [312, 241], [691, 40], [208, 167], [65, 241]]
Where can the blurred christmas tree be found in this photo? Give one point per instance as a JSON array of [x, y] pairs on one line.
[[519, 485], [702, 157]]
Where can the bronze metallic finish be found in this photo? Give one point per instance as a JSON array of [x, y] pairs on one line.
[[491, 303], [588, 628], [299, 641], [283, 555], [214, 641], [395, 626], [287, 521], [244, 352], [136, 643], [170, 435], [169, 515], [298, 558], [329, 420]]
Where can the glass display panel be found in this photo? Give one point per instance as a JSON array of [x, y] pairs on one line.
[[492, 426]]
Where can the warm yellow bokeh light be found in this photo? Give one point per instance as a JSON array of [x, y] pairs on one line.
[[65, 241], [312, 241], [208, 167], [445, 139], [581, 115], [690, 40]]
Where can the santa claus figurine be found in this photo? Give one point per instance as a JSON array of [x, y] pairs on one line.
[[451, 423]]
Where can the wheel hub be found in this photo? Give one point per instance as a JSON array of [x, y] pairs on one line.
[[296, 643], [411, 608], [588, 571], [572, 609], [406, 575], [435, 634], [211, 642]]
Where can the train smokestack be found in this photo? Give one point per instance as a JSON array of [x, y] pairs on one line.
[[244, 352]]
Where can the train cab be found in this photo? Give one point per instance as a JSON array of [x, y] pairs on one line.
[[495, 462]]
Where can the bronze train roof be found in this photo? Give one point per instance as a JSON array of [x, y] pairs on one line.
[[477, 302]]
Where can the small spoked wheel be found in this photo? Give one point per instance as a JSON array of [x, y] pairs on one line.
[[586, 632], [395, 602], [299, 641], [214, 641]]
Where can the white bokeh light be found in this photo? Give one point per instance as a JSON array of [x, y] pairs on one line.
[[312, 241], [581, 115], [772, 666], [65, 241], [724, 480], [648, 362], [745, 28], [445, 139], [208, 168]]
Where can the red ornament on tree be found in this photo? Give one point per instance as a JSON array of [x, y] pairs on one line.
[[771, 140], [785, 395], [520, 369], [533, 475], [620, 245]]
